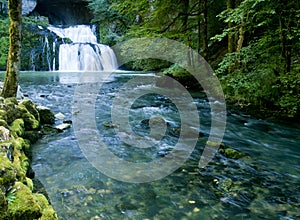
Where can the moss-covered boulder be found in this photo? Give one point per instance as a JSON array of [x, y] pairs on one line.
[[24, 206], [17, 127], [46, 115], [232, 153], [31, 108], [6, 150], [8, 173], [48, 212]]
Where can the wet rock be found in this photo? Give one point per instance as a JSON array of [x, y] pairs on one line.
[[59, 115], [62, 127], [232, 153], [46, 115], [48, 130], [32, 136]]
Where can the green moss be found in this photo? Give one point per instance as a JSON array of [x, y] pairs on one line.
[[29, 183], [25, 206], [31, 108], [3, 122], [3, 115], [3, 205], [32, 136], [30, 122], [48, 212], [8, 173], [232, 153], [17, 127]]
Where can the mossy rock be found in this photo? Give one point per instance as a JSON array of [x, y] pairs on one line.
[[232, 153], [32, 136], [6, 150], [25, 206], [29, 183], [48, 212], [8, 173], [3, 205], [18, 127], [49, 130], [30, 122], [225, 184], [46, 115], [31, 107], [11, 101]]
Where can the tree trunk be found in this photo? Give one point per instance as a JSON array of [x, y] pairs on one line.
[[11, 80], [230, 5], [241, 36], [205, 35]]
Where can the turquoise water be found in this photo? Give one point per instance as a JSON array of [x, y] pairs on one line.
[[263, 185]]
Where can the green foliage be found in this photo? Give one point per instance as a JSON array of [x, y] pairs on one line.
[[175, 70], [4, 42], [11, 195], [263, 72]]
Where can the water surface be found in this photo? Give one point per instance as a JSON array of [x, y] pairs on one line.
[[263, 185]]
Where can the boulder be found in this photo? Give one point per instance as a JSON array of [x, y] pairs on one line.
[[46, 115]]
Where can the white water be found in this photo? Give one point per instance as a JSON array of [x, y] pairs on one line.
[[84, 53]]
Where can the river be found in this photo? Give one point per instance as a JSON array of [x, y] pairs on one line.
[[264, 184]]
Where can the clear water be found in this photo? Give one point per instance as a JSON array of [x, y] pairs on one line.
[[263, 185]]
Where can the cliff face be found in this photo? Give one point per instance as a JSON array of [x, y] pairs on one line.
[[59, 12]]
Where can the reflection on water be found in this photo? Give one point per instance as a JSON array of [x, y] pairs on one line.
[[263, 185]]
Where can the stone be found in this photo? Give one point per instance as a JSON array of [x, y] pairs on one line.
[[63, 126], [46, 115], [28, 6], [232, 153], [32, 136], [48, 130]]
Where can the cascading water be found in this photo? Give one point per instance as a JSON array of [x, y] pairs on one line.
[[84, 53]]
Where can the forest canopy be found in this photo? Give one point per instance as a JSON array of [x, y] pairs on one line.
[[253, 45]]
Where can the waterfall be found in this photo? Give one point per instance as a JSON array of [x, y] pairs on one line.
[[84, 53]]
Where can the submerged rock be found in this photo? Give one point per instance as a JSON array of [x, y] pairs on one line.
[[232, 153]]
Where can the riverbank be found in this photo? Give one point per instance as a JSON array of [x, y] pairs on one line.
[[20, 123]]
